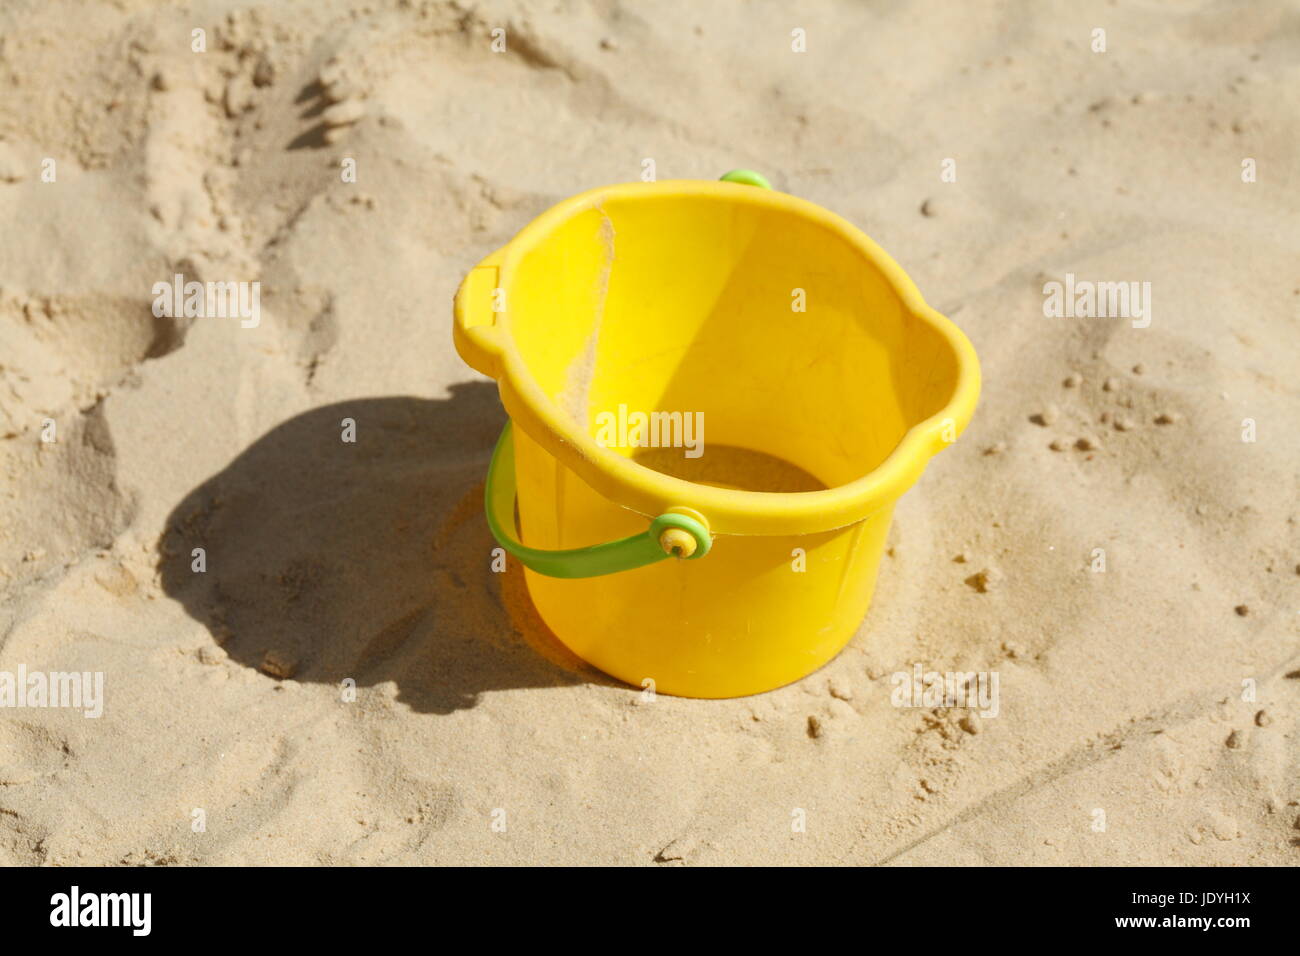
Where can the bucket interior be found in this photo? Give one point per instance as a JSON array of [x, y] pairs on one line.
[[689, 304]]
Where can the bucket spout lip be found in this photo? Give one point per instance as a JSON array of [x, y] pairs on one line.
[[486, 344]]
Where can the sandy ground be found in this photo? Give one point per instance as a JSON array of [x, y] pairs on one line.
[[1148, 712]]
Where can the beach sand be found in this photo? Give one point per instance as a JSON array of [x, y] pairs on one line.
[[1148, 710]]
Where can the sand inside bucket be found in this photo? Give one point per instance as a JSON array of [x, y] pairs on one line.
[[724, 466]]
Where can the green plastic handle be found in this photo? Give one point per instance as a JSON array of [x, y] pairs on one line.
[[608, 558], [746, 177]]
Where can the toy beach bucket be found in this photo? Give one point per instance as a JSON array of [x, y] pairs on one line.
[[717, 393]]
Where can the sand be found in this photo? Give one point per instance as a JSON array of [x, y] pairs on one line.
[[1148, 711]]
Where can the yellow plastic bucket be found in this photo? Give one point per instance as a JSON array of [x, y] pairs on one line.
[[823, 382]]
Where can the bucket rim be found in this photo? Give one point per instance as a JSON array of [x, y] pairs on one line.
[[648, 492]]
